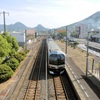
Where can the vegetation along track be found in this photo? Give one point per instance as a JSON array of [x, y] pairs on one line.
[[19, 79]]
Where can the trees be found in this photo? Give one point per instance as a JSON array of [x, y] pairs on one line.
[[8, 46], [9, 57], [5, 48], [5, 72], [61, 33], [12, 42], [13, 63], [73, 34]]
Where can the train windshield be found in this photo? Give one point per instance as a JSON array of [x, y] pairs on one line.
[[57, 59]]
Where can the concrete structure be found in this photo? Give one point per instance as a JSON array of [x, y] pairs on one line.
[[81, 30], [20, 37], [24, 37]]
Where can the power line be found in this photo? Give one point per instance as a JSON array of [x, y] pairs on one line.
[[4, 20]]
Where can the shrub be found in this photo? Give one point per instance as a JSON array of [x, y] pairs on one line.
[[26, 51], [19, 57], [22, 53], [74, 44], [5, 72], [13, 63]]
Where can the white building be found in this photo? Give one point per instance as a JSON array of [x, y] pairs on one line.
[[20, 37]]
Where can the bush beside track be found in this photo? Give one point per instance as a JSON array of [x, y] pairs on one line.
[[5, 72], [10, 58], [8, 66]]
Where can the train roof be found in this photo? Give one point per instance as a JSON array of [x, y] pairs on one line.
[[52, 46], [56, 52]]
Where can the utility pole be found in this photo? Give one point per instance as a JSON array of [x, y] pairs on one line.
[[66, 40], [4, 20], [87, 54]]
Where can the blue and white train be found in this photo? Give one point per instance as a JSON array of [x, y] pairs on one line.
[[56, 58]]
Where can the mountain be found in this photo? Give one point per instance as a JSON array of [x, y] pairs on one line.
[[87, 24], [39, 27], [20, 27], [14, 27], [92, 22]]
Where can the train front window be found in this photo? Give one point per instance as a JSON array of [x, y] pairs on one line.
[[57, 59]]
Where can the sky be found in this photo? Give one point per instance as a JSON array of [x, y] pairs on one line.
[[49, 13]]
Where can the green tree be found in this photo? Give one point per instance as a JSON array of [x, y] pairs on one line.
[[5, 72], [75, 44], [73, 34], [5, 47], [12, 42], [13, 63], [62, 33]]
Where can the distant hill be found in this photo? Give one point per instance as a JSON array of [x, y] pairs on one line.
[[20, 27], [39, 27], [14, 27], [91, 22]]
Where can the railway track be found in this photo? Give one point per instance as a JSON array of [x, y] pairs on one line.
[[60, 88], [39, 85], [68, 87], [19, 78], [35, 87], [59, 92]]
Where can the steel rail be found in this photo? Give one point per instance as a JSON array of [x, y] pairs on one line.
[[39, 72], [64, 88], [25, 97]]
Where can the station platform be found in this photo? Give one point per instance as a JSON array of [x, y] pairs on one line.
[[84, 86]]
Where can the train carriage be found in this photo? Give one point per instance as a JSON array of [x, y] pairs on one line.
[[56, 58]]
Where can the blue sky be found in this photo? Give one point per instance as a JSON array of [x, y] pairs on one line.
[[49, 13]]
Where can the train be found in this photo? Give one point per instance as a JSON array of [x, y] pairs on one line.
[[56, 58]]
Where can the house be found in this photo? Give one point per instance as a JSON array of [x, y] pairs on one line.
[[30, 34]]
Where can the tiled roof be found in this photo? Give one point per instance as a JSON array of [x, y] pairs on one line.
[[30, 32]]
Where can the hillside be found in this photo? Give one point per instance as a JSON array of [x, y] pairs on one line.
[[39, 27], [19, 27], [92, 22]]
